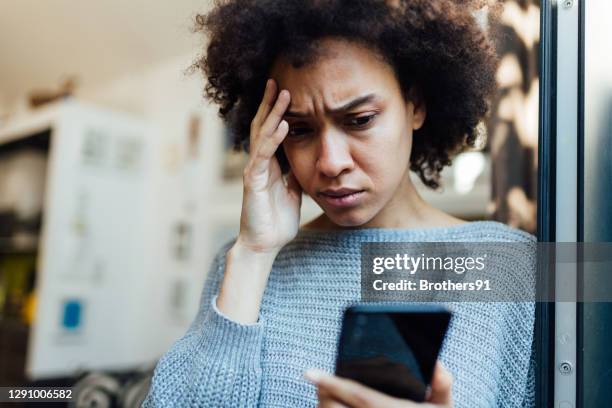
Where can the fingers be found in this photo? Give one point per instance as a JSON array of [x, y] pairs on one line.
[[441, 385], [265, 106], [268, 129], [266, 147], [348, 392], [327, 401], [271, 122]]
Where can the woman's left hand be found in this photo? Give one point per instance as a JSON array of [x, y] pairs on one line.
[[336, 392]]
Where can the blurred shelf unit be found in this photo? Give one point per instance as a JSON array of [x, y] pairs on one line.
[[73, 260]]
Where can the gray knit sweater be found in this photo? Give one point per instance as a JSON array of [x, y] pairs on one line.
[[221, 363]]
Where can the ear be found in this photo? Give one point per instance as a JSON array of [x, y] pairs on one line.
[[416, 103]]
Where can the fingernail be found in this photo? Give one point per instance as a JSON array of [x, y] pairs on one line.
[[428, 393], [314, 375]]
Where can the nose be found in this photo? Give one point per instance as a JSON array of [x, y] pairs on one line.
[[334, 156]]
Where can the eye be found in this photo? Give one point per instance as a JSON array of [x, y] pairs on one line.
[[359, 122], [298, 130]]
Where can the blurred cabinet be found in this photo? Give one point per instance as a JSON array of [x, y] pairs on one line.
[[90, 295]]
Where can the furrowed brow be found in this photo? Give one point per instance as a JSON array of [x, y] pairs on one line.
[[343, 108], [354, 103]]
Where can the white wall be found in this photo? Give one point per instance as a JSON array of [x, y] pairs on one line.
[[164, 97]]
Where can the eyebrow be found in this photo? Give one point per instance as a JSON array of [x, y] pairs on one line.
[[343, 108]]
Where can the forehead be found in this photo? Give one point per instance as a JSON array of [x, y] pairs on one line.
[[341, 70]]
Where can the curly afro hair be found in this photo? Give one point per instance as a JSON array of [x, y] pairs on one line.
[[437, 44]]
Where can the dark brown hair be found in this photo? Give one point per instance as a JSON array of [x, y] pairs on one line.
[[437, 44]]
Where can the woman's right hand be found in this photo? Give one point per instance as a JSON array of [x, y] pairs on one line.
[[270, 213], [270, 205]]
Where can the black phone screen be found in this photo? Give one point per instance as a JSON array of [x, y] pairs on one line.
[[392, 350]]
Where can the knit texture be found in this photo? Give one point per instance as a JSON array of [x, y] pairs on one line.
[[221, 363]]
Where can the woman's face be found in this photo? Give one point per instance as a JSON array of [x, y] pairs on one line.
[[350, 131]]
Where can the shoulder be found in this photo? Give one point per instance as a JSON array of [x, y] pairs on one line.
[[511, 252], [502, 237], [494, 231], [511, 259]]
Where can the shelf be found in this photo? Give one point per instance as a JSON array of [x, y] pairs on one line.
[[35, 122], [8, 247]]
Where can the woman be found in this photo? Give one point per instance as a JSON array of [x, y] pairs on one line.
[[340, 100]]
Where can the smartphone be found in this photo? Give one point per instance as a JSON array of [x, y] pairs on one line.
[[392, 348]]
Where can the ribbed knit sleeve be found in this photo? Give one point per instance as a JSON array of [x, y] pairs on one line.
[[217, 363]]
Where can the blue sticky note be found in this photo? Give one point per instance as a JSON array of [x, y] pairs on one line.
[[72, 314]]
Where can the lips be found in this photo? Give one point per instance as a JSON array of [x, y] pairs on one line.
[[343, 197], [339, 192]]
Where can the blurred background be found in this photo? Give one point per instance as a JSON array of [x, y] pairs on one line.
[[118, 182]]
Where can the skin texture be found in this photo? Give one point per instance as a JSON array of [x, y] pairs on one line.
[[366, 147]]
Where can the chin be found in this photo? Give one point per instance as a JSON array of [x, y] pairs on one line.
[[348, 219]]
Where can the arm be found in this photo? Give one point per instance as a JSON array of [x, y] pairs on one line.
[[216, 363]]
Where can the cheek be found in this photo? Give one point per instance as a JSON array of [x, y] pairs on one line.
[[398, 140], [386, 156], [393, 134]]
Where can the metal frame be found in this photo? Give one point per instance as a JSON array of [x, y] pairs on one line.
[[567, 193]]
